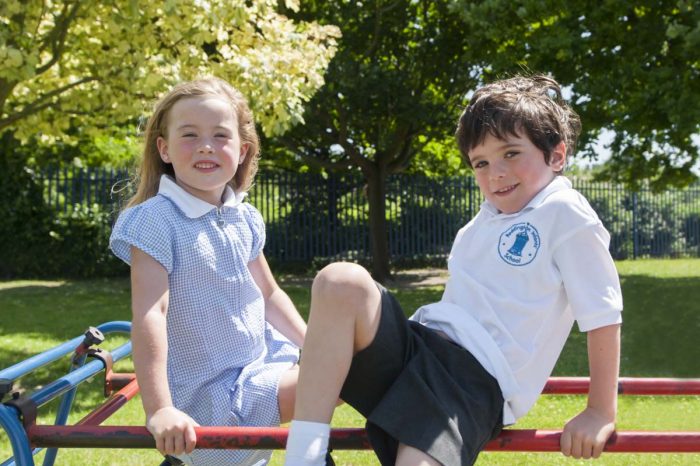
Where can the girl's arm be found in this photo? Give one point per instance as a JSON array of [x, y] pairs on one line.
[[279, 309], [585, 435], [172, 429]]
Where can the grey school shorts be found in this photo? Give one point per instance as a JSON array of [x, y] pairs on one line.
[[417, 388]]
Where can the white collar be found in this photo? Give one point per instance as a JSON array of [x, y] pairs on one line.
[[559, 183], [192, 206]]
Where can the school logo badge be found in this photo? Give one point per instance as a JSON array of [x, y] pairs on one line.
[[518, 245]]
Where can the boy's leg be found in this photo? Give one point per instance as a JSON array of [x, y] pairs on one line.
[[344, 317], [409, 456]]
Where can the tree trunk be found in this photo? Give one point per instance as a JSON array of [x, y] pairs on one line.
[[379, 244]]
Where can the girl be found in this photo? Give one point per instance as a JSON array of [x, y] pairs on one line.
[[215, 339]]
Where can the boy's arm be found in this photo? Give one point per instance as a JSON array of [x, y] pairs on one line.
[[279, 309], [585, 435], [172, 429]]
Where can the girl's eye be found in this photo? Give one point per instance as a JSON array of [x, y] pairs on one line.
[[189, 135], [221, 135], [510, 155]]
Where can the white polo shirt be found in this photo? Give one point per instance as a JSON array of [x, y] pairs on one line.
[[517, 283]]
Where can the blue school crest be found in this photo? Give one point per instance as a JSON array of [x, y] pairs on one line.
[[518, 245]]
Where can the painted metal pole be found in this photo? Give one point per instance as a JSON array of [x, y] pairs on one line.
[[23, 456], [343, 439], [92, 337], [21, 450], [626, 386], [28, 365], [108, 408], [64, 410], [70, 380]]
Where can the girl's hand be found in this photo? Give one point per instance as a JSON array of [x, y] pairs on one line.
[[173, 431], [585, 435]]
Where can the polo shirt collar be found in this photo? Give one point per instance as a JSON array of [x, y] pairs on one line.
[[559, 183], [192, 206]]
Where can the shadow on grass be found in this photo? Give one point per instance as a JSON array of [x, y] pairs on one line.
[[65, 311], [660, 330]]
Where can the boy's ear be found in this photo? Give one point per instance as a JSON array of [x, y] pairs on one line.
[[558, 158], [162, 145]]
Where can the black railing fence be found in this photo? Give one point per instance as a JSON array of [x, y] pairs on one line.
[[312, 216]]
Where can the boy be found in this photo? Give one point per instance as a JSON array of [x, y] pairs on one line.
[[436, 388]]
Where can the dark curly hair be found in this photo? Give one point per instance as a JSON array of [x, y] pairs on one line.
[[519, 106]]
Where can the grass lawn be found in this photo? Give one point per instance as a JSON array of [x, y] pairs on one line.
[[659, 338]]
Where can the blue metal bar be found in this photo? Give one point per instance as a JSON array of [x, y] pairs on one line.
[[9, 417], [64, 410], [68, 381], [24, 367], [21, 451], [34, 362]]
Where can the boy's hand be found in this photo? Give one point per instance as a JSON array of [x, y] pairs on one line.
[[173, 431], [585, 435]]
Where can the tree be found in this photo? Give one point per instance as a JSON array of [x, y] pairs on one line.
[[92, 65], [396, 84], [632, 66]]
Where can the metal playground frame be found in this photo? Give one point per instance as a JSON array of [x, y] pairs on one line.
[[27, 438]]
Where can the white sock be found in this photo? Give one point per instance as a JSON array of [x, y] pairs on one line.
[[307, 444]]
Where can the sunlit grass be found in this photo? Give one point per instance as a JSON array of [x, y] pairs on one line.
[[660, 331]]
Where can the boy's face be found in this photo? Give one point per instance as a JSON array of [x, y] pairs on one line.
[[511, 171]]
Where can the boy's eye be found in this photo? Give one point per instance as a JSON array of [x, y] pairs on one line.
[[189, 135], [221, 135], [480, 164], [510, 155]]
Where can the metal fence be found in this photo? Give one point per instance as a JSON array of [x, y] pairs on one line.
[[313, 216]]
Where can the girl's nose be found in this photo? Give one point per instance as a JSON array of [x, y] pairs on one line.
[[205, 147]]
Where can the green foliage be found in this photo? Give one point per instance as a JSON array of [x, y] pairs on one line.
[[632, 67], [117, 149], [395, 85], [26, 218], [67, 64], [37, 240], [80, 245], [438, 158]]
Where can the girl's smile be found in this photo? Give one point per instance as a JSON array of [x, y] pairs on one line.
[[203, 145]]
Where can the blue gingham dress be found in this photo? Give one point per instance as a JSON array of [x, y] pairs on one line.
[[224, 359]]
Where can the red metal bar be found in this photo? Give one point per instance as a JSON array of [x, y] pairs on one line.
[[619, 442], [341, 439], [118, 380], [626, 386], [109, 407]]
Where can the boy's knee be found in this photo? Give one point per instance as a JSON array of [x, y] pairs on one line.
[[343, 281]]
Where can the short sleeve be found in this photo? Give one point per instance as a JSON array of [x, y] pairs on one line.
[[590, 278], [143, 227], [257, 228]]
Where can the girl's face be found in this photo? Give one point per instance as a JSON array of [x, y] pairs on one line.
[[203, 145], [511, 171]]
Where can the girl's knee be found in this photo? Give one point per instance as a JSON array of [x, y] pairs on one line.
[[286, 393]]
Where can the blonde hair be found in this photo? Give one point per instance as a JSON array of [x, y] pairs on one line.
[[152, 166]]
